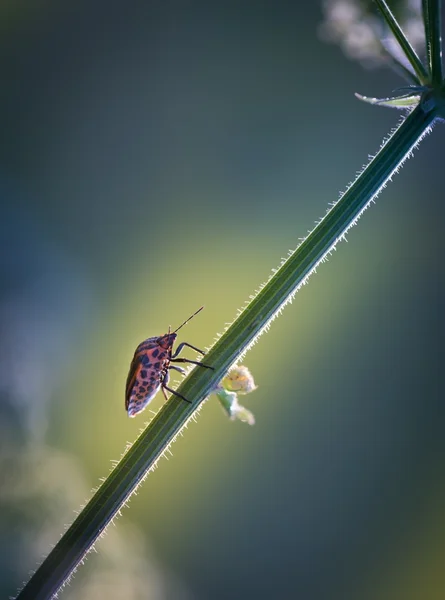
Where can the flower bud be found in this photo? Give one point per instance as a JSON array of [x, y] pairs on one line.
[[239, 379]]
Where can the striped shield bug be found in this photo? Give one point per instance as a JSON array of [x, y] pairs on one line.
[[149, 369]]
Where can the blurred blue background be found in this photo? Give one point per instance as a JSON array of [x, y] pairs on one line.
[[157, 156]]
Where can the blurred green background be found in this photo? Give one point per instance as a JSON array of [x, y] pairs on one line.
[[157, 156]]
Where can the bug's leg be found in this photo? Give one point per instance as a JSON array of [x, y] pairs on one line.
[[181, 346], [177, 369], [194, 362], [175, 393], [164, 384]]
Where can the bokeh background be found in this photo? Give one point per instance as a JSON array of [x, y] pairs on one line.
[[156, 156]]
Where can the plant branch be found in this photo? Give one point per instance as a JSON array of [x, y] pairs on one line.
[[403, 41], [255, 318], [433, 35]]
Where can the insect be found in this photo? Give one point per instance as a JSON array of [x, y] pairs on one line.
[[149, 369]]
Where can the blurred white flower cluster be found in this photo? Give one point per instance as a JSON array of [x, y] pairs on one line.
[[358, 29]]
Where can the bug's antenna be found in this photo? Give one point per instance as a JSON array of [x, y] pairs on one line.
[[185, 322]]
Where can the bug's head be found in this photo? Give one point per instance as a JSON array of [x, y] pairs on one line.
[[166, 341]]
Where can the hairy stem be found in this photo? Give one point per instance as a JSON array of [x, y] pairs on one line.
[[252, 321]]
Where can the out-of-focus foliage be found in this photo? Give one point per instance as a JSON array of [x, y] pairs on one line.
[[45, 307]]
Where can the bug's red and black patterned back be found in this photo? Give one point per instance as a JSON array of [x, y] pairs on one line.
[[149, 369]]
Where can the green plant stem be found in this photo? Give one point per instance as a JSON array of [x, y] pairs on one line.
[[136, 463], [433, 35], [407, 49]]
